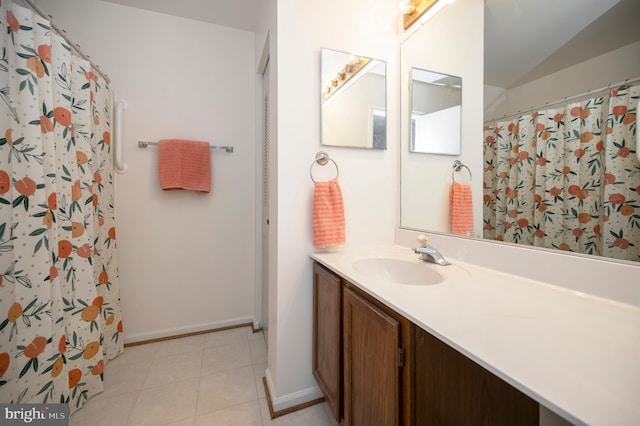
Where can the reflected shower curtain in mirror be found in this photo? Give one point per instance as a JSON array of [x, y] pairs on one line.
[[60, 317], [566, 178]]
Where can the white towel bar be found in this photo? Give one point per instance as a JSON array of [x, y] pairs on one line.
[[144, 144]]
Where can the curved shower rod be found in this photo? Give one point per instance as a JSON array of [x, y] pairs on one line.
[[62, 33]]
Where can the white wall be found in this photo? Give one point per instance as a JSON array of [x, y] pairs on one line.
[[186, 260], [368, 178], [607, 69]]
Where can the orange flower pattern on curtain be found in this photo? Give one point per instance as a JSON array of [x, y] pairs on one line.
[[566, 178], [60, 317]]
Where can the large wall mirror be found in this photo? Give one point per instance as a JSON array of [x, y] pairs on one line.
[[528, 72], [354, 107]]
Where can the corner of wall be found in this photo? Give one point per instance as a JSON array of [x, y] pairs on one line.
[[292, 400]]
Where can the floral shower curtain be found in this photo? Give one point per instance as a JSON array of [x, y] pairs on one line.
[[60, 317], [567, 178]]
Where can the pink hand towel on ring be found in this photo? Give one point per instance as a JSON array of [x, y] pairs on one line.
[[328, 214], [184, 164], [460, 208]]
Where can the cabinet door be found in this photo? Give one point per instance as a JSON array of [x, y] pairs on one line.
[[327, 309], [371, 370], [451, 389]]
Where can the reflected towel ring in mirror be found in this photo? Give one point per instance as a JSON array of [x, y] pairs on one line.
[[322, 158], [457, 166]]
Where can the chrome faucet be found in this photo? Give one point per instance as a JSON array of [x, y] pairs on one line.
[[429, 253]]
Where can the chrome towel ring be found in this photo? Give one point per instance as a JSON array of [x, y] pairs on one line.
[[457, 166], [322, 158]]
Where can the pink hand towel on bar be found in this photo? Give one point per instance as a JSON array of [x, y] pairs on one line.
[[328, 214], [184, 164], [460, 208]]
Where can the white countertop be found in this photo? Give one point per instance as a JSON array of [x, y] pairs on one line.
[[576, 354]]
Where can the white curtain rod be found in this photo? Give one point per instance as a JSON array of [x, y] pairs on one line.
[[62, 33], [567, 99]]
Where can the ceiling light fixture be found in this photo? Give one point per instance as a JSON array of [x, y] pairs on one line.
[[412, 10], [407, 7], [352, 68]]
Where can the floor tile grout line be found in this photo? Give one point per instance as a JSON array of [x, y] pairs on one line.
[[133, 407], [263, 421], [175, 342], [201, 376], [217, 410], [195, 414], [250, 344], [257, 399]]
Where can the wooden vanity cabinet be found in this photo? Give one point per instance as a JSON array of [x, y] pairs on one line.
[[360, 353], [327, 331], [451, 389], [376, 368], [376, 348]]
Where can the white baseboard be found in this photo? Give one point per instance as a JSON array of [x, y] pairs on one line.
[[177, 331], [280, 403]]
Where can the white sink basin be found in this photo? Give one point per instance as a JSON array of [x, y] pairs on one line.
[[414, 272]]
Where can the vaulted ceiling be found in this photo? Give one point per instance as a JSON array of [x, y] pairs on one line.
[[239, 14], [524, 39]]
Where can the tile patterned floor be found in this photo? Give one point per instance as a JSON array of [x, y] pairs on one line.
[[208, 379]]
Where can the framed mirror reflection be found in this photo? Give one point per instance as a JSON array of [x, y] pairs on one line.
[[436, 106], [560, 130], [353, 110]]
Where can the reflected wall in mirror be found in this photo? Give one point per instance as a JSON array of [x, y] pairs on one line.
[[436, 102], [527, 70], [450, 42], [353, 100]]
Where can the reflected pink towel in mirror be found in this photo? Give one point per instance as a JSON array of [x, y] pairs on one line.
[[328, 214], [460, 208], [184, 164]]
